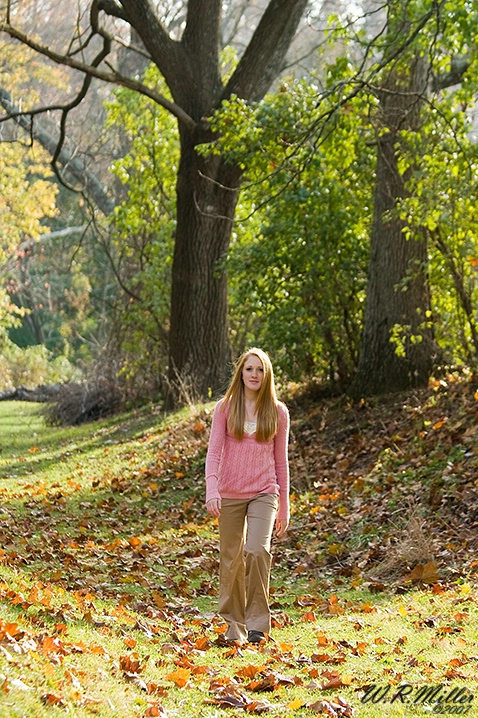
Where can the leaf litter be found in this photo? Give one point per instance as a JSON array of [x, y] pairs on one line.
[[384, 497]]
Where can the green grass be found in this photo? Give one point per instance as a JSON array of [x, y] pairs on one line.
[[108, 589]]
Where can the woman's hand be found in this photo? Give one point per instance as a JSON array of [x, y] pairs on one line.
[[213, 507], [281, 526]]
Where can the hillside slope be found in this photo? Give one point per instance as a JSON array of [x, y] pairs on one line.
[[390, 485]]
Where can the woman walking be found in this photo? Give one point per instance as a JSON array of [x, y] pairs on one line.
[[247, 489]]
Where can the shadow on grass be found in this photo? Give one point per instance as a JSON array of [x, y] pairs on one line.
[[28, 445], [80, 513], [129, 534]]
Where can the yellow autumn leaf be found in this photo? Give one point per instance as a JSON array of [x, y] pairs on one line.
[[295, 705], [286, 647]]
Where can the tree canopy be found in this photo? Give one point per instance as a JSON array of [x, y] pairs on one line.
[[314, 209]]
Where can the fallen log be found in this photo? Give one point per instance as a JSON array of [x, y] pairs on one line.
[[40, 393]]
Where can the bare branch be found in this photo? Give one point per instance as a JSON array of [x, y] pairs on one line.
[[110, 7], [112, 77], [264, 55], [81, 95], [458, 66], [75, 166]]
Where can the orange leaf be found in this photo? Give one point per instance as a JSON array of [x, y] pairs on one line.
[[156, 709], [134, 541], [96, 650], [220, 629], [249, 671], [202, 644], [286, 647], [335, 680], [180, 677], [336, 610], [52, 644], [309, 617], [156, 689], [130, 665], [51, 699], [158, 599], [368, 607], [9, 630]]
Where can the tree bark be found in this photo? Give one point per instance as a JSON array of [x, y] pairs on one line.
[[207, 189], [199, 353], [397, 293]]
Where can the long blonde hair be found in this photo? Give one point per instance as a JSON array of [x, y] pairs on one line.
[[266, 406]]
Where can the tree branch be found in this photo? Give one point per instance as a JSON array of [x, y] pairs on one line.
[[267, 48], [166, 53], [110, 7], [458, 66], [112, 77], [75, 166]]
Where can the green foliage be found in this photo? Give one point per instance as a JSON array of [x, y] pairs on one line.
[[48, 279], [57, 282], [299, 252], [298, 260], [441, 162], [143, 226], [31, 367], [27, 200], [297, 265]]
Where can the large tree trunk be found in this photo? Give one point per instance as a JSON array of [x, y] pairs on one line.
[[397, 294], [207, 190], [199, 345]]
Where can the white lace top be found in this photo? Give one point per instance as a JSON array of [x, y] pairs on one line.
[[249, 427]]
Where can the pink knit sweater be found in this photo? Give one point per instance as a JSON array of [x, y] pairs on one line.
[[243, 468]]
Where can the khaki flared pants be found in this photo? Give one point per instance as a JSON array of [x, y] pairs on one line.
[[245, 531]]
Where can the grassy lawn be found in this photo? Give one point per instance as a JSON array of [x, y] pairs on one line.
[[108, 589]]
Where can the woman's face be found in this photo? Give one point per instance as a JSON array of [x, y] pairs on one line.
[[252, 373]]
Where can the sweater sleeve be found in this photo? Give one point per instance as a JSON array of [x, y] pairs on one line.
[[214, 452], [281, 458]]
